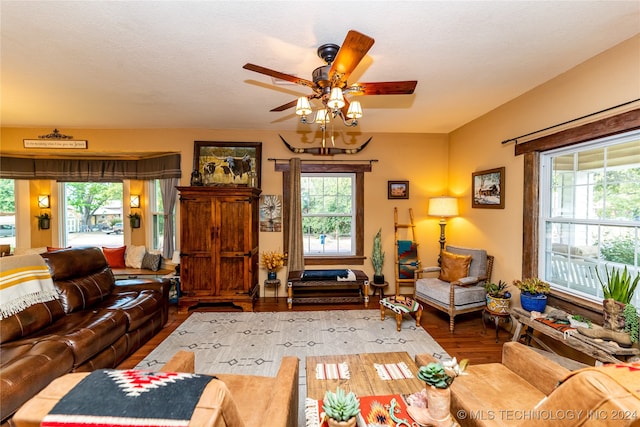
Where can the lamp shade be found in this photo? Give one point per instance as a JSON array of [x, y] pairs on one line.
[[303, 107], [336, 99], [44, 202], [355, 110], [322, 117], [134, 201], [443, 206]]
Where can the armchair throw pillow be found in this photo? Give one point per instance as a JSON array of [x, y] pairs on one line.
[[134, 255], [453, 267], [151, 261], [115, 256]]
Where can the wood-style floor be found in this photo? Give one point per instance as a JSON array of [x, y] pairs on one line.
[[469, 341]]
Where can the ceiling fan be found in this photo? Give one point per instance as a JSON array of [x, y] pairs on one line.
[[330, 82]]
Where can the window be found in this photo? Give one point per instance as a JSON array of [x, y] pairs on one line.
[[93, 214], [590, 213], [7, 213], [157, 215], [326, 187], [328, 214]]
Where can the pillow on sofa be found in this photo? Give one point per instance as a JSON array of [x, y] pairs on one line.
[[134, 256], [151, 261], [115, 256], [453, 267]]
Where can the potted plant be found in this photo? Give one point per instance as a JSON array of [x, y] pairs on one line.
[[44, 221], [498, 297], [618, 289], [377, 259], [272, 261], [134, 220], [533, 293], [438, 377], [340, 408]]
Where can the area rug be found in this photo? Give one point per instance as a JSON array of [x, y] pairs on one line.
[[254, 343]]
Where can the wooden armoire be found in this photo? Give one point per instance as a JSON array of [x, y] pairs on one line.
[[219, 246]]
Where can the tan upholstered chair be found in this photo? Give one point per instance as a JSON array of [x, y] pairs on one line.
[[464, 295]]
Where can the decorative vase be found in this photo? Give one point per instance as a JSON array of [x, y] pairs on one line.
[[335, 423], [533, 302], [498, 305], [438, 402], [272, 275], [378, 279], [612, 313]]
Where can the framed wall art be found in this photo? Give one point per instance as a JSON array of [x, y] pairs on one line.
[[270, 212], [398, 190], [488, 189], [228, 163]]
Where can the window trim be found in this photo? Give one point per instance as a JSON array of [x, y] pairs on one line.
[[359, 170]]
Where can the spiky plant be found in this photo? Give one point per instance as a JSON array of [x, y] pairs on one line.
[[340, 406], [619, 286], [377, 256], [434, 374]]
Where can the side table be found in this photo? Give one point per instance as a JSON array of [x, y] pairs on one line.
[[496, 318], [378, 286], [275, 284]]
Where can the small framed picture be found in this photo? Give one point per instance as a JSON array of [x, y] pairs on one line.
[[398, 190], [488, 189]]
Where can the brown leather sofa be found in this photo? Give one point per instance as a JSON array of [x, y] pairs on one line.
[[528, 389], [96, 323]]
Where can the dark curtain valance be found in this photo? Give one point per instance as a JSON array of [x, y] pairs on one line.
[[95, 170]]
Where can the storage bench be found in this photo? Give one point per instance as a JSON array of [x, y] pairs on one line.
[[324, 286]]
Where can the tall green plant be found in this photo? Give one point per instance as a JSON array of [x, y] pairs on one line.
[[377, 256], [618, 286]]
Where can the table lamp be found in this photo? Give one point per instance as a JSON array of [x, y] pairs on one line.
[[444, 207]]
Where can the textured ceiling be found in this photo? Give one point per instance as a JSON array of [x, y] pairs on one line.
[[178, 64]]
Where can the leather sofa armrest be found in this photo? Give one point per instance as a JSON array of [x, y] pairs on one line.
[[285, 390], [127, 285], [539, 371]]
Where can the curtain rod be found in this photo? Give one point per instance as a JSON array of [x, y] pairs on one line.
[[506, 141], [370, 161]]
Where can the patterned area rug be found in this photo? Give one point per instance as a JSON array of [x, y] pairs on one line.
[[253, 343]]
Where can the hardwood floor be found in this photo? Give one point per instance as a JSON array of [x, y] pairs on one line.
[[468, 342]]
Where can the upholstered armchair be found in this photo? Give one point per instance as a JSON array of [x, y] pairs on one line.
[[457, 285]]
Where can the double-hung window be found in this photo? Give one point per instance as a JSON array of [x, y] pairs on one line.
[[328, 213], [590, 213]]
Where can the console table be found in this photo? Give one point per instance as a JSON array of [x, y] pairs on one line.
[[326, 291], [601, 351]]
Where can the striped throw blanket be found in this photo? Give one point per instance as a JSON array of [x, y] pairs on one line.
[[24, 281]]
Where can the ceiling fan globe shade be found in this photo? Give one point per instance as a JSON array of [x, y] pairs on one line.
[[355, 110], [336, 99], [303, 107], [322, 117]]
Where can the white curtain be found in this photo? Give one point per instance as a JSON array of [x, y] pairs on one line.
[[296, 249], [169, 195]]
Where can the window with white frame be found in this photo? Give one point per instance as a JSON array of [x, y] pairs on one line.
[[156, 211], [590, 213], [328, 213]]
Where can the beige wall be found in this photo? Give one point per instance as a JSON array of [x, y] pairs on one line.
[[609, 79], [434, 164]]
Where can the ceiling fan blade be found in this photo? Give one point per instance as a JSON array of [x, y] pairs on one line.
[[383, 88], [353, 49], [293, 103], [279, 75]]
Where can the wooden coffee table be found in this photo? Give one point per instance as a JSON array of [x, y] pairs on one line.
[[364, 380]]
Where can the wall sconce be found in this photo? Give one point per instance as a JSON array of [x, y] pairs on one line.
[[134, 201], [44, 201]]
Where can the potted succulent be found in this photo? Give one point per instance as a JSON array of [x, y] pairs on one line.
[[340, 408], [134, 220], [533, 293], [44, 221], [618, 289], [498, 297], [438, 377], [377, 259]]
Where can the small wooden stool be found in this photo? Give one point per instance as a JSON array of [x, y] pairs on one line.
[[400, 305], [378, 286]]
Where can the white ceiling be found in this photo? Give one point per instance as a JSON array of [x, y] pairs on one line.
[[178, 64]]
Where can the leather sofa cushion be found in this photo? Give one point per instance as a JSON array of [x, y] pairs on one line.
[[139, 307], [28, 367], [30, 320], [86, 333]]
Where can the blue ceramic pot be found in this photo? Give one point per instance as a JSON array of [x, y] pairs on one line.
[[533, 302]]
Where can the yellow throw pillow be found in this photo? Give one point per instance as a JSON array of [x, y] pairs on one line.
[[453, 267]]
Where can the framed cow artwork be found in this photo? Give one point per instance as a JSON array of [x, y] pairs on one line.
[[488, 189], [228, 163]]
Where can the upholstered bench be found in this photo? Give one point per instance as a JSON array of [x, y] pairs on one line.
[[401, 305], [327, 286]]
